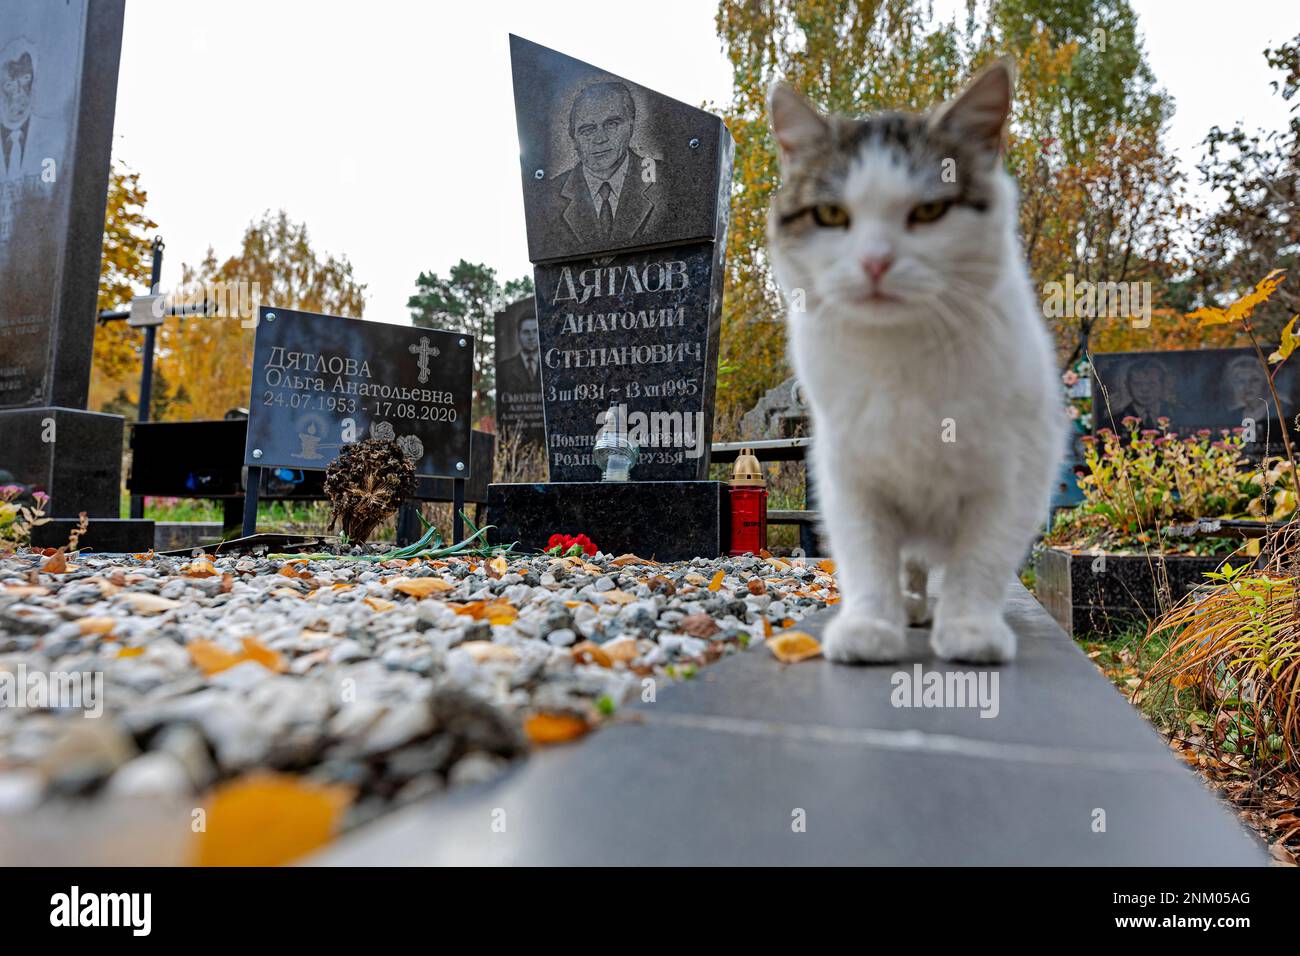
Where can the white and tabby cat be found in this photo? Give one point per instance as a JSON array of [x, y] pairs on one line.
[[914, 331]]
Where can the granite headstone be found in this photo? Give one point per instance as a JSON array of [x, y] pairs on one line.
[[626, 196], [321, 381], [58, 91], [58, 87], [1194, 389], [519, 372]]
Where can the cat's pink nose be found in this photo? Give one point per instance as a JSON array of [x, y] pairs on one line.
[[876, 266]]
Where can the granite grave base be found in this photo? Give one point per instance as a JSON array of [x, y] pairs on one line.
[[74, 456], [121, 535], [1117, 595], [661, 520]]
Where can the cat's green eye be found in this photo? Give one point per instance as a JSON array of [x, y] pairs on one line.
[[929, 211], [828, 214]]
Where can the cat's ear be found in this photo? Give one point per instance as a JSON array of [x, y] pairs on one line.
[[980, 111], [798, 127]]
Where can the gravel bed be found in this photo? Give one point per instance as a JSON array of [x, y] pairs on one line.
[[396, 679]]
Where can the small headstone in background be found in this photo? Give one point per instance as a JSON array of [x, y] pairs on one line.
[[519, 372], [1194, 389], [782, 412]]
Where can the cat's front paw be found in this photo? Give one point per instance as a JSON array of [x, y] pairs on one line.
[[862, 640], [978, 640]]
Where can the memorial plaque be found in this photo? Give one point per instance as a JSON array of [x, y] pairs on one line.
[[638, 332], [582, 128], [1194, 389], [58, 88], [626, 195], [320, 382], [519, 372]]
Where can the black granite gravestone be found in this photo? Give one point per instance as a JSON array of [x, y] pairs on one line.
[[58, 88], [519, 372], [1194, 389], [626, 196], [321, 382]]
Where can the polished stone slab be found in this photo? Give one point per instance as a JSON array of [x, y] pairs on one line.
[[660, 520], [721, 769], [73, 456], [113, 535], [59, 64]]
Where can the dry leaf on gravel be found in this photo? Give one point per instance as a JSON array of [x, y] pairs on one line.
[[211, 658], [144, 603], [96, 625], [618, 596], [588, 652], [554, 728], [793, 646], [57, 563], [621, 649], [269, 819], [421, 587], [482, 651], [699, 625], [716, 583]]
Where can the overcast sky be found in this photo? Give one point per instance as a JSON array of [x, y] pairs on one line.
[[388, 126]]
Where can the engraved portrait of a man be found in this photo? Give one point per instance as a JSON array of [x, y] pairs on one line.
[[613, 193], [21, 150], [521, 371]]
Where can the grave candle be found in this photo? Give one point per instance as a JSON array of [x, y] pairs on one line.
[[748, 492]]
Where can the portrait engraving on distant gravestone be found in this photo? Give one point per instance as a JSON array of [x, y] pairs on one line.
[[1191, 389], [38, 75], [519, 371]]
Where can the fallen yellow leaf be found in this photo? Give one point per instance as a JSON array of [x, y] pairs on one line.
[[554, 728], [793, 646], [268, 819], [199, 568], [482, 651], [827, 565], [499, 565], [379, 604], [589, 652], [255, 650], [716, 583], [500, 613], [211, 658], [96, 625], [144, 603], [422, 587], [130, 652], [621, 649], [618, 596]]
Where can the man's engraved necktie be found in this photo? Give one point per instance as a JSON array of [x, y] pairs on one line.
[[606, 217]]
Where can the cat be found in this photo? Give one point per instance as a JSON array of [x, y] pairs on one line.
[[935, 404]]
